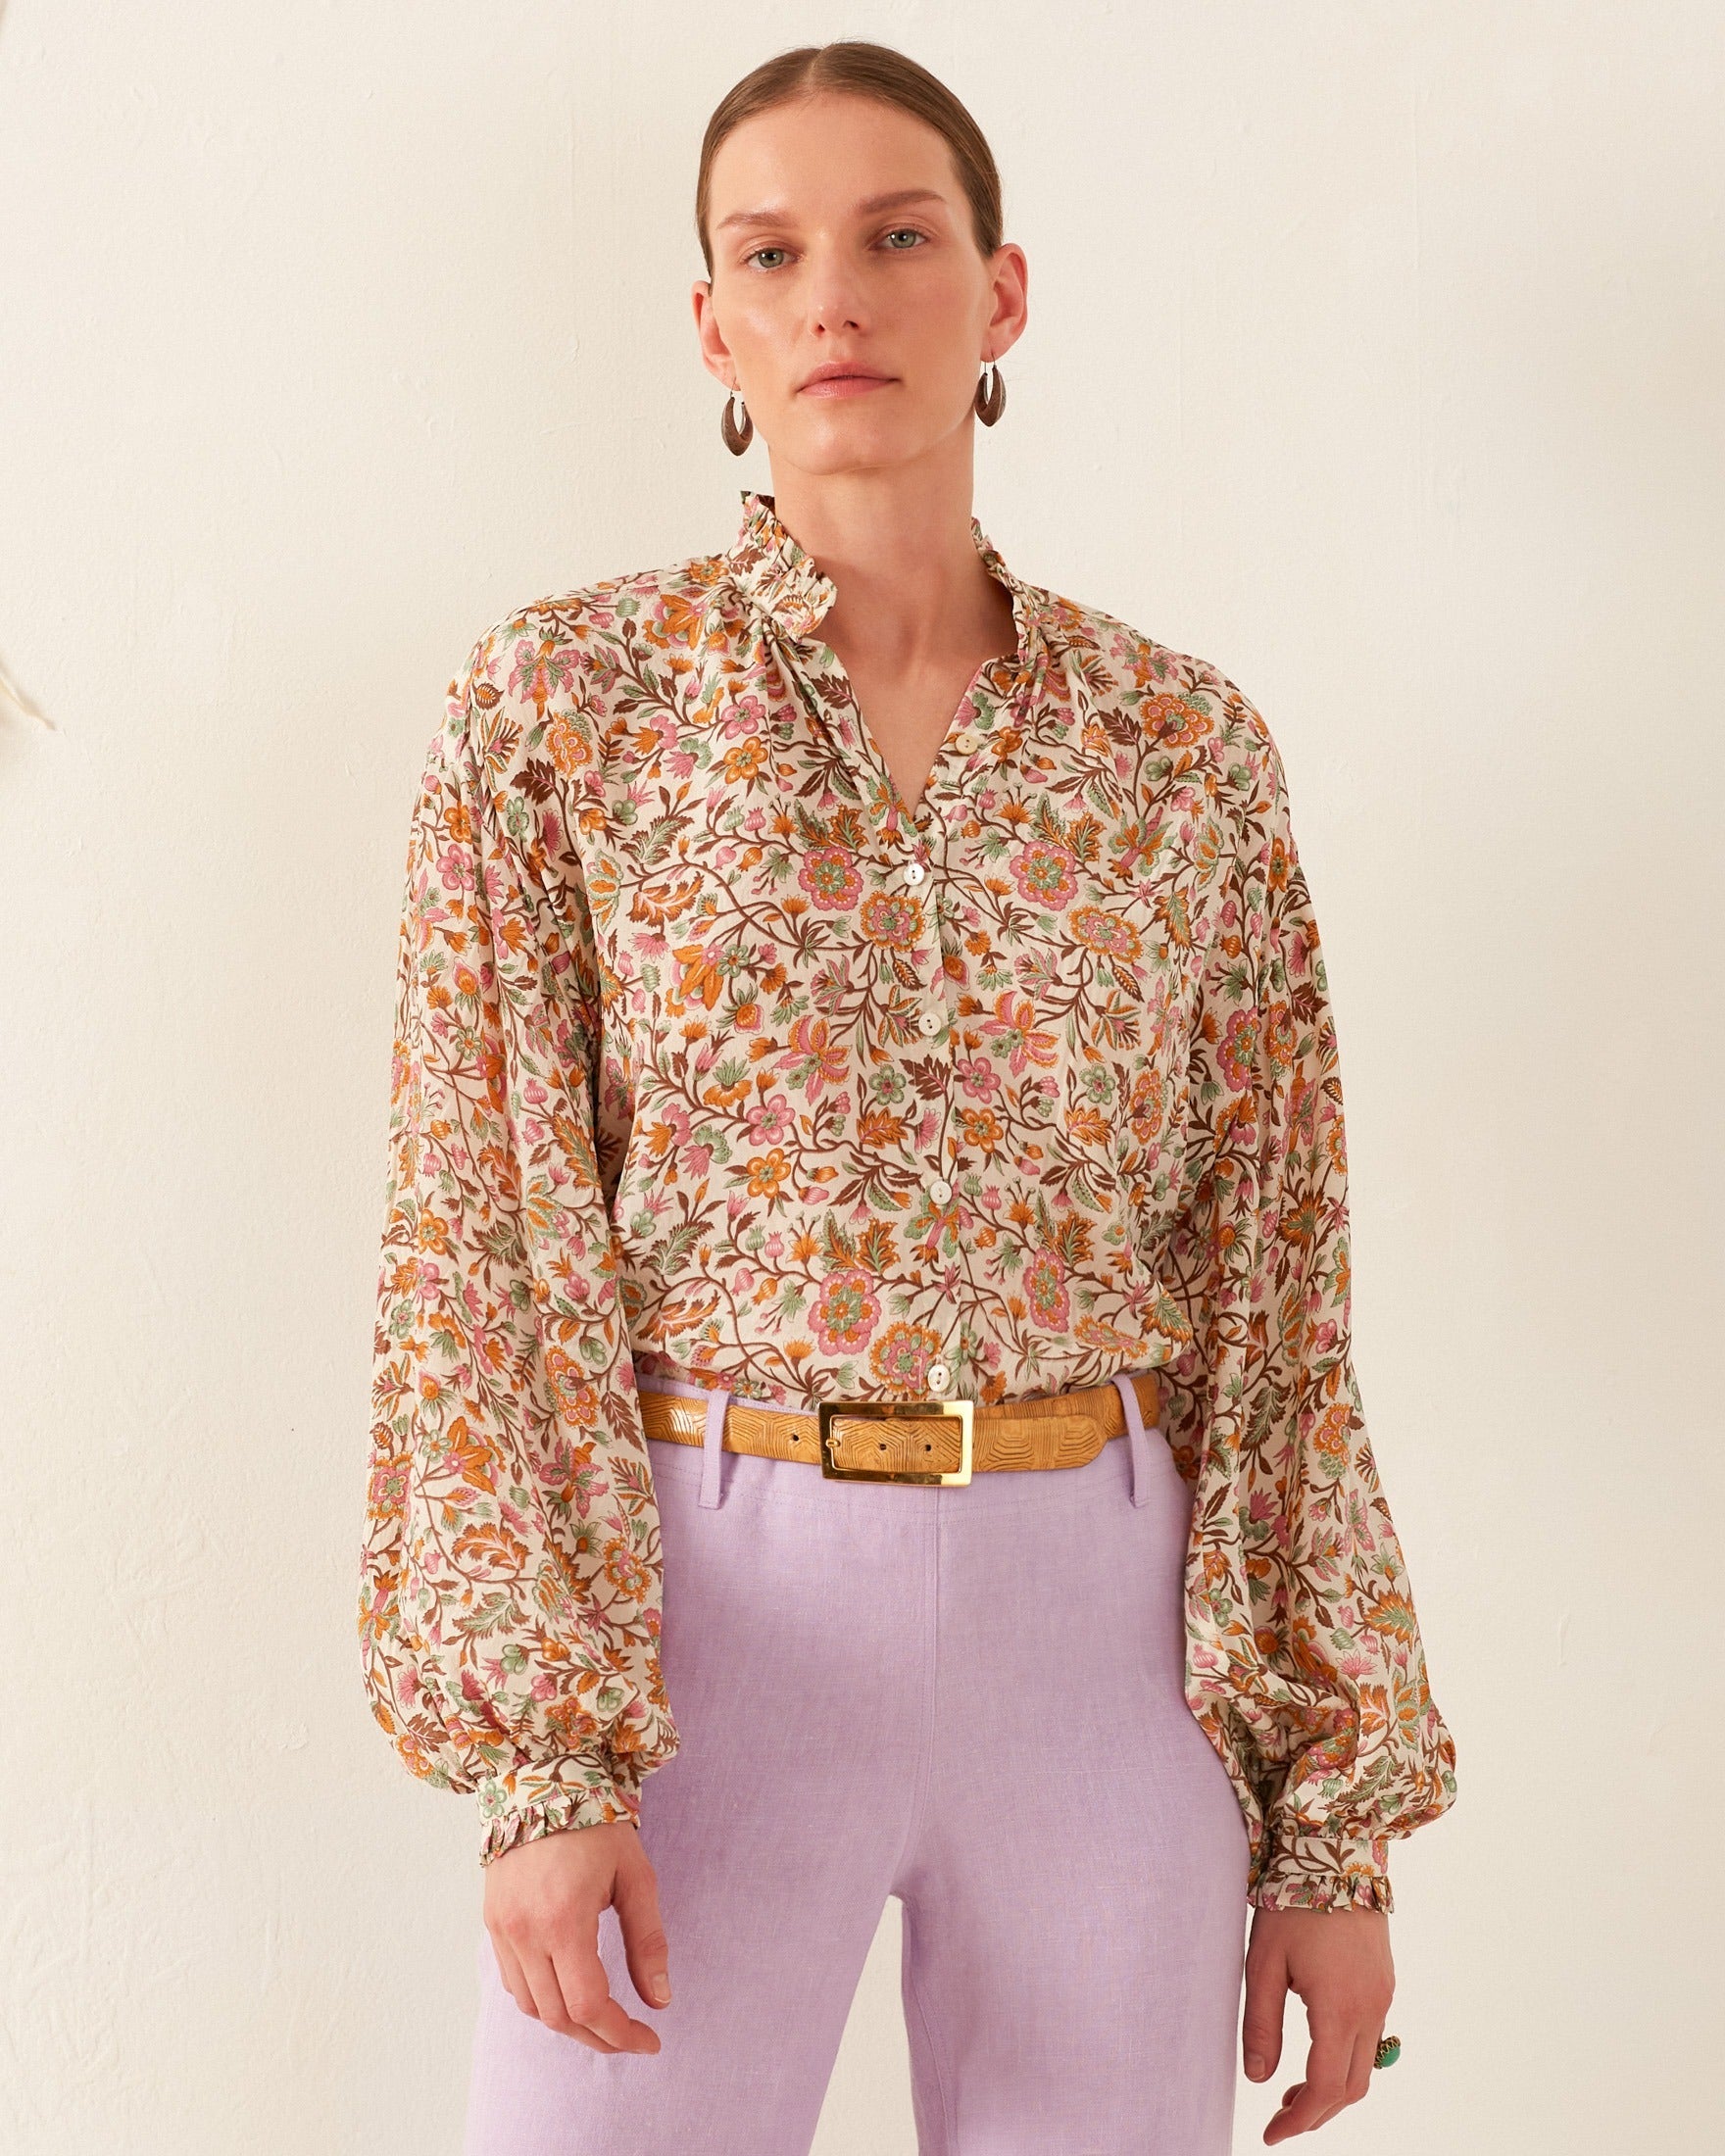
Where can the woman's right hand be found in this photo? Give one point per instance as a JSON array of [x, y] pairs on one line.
[[542, 1904]]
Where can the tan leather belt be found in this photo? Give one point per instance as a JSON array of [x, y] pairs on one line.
[[915, 1441]]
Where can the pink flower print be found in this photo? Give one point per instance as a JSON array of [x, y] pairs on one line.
[[455, 868], [1013, 1027], [829, 875], [748, 717], [1044, 874], [901, 1354], [814, 1059], [1238, 1048], [976, 1076], [768, 1121], [541, 667], [845, 1313]]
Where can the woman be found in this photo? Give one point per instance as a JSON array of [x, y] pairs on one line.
[[816, 1137]]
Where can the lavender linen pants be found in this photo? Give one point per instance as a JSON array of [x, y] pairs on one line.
[[971, 1697]]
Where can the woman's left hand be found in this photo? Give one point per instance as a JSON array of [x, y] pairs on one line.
[[1339, 1962]]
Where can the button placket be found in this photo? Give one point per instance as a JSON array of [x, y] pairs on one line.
[[940, 1377]]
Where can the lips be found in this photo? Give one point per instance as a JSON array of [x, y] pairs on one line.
[[839, 376]]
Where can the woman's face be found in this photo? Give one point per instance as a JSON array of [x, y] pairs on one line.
[[840, 233]]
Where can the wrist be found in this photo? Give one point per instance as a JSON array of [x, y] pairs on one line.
[[588, 1786]]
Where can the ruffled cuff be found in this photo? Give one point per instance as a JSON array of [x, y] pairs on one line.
[[1325, 1872], [590, 1786]]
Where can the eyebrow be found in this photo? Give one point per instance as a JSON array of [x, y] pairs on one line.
[[776, 213]]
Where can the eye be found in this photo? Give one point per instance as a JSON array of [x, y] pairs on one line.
[[909, 230], [764, 251]]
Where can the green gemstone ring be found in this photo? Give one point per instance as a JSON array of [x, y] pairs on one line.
[[1388, 2052]]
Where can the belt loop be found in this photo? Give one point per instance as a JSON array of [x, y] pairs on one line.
[[712, 1446], [1136, 1439]]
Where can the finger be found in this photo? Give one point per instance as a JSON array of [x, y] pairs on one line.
[[1261, 2027], [586, 1994], [1320, 2094], [1366, 2051], [509, 1970], [635, 1898], [553, 2006]]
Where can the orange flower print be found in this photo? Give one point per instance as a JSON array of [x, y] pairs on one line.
[[1146, 1106], [572, 1389], [1304, 1099], [700, 976], [567, 743], [1176, 721], [901, 1356], [679, 618], [625, 1571], [745, 762], [767, 1173], [1098, 1331], [981, 1131], [1045, 1289], [1279, 1037], [892, 918], [1106, 932], [1330, 1439], [570, 1721]]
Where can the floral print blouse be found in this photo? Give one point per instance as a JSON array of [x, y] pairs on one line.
[[712, 1061]]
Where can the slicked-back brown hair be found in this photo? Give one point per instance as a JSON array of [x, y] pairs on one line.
[[862, 69]]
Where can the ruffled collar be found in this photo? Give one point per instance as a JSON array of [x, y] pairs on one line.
[[774, 573]]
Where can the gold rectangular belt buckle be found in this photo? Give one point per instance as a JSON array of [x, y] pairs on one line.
[[961, 1411]]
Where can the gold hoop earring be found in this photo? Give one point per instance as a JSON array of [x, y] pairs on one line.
[[992, 403], [736, 438]]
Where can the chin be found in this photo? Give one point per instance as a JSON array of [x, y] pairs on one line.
[[844, 446]]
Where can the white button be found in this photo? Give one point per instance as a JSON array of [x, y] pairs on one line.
[[940, 1376], [964, 741], [914, 872], [941, 1191], [928, 1024]]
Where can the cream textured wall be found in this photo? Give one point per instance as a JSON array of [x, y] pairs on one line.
[[1376, 356]]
